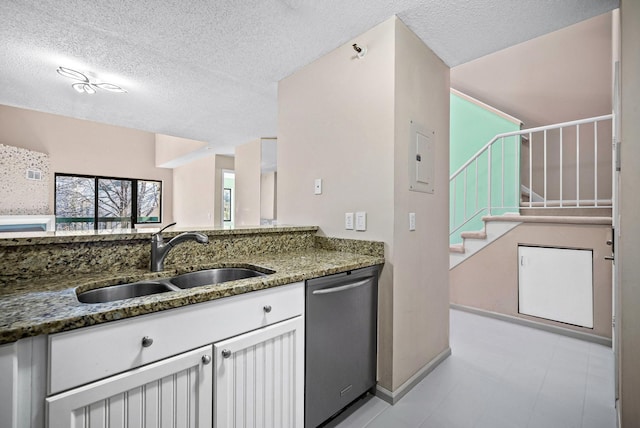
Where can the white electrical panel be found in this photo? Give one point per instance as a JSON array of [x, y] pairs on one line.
[[421, 159]]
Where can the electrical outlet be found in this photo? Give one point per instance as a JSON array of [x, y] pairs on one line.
[[317, 189], [361, 221], [412, 221], [348, 221]]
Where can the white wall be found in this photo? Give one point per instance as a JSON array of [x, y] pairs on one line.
[[346, 121], [78, 146], [247, 197]]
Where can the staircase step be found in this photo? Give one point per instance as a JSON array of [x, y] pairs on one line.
[[562, 212], [456, 248], [547, 219], [480, 234]]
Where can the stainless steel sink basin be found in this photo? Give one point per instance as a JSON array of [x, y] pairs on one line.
[[213, 276], [124, 291], [184, 281]]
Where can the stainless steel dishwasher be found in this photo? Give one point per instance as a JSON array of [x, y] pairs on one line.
[[341, 341]]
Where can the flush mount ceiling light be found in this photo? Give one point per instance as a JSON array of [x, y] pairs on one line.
[[86, 86]]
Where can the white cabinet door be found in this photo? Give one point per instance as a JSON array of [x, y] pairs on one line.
[[175, 392], [8, 385], [259, 378], [556, 284]]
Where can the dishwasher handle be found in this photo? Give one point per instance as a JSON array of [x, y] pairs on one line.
[[343, 287]]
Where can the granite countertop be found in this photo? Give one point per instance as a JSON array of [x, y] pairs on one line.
[[31, 308], [10, 239]]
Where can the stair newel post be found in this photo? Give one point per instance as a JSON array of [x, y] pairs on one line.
[[489, 180], [530, 169], [502, 172], [516, 163]]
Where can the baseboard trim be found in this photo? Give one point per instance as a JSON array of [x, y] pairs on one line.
[[395, 396], [534, 324]]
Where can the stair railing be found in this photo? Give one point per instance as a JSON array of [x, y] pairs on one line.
[[495, 170]]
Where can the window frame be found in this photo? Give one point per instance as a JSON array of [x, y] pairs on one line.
[[96, 178]]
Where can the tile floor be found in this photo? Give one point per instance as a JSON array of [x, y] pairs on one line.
[[502, 375]]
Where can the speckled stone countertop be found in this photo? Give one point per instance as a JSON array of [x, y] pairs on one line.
[[45, 305], [10, 239]]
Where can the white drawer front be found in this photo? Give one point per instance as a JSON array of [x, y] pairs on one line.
[[88, 354]]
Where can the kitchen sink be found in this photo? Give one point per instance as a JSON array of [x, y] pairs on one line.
[[213, 276], [188, 280], [124, 291]]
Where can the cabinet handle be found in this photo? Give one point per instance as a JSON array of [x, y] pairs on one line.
[[147, 341], [206, 359], [226, 353], [267, 308], [609, 258]]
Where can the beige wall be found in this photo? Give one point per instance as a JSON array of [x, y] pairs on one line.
[[198, 191], [223, 163], [627, 258], [420, 258], [169, 148], [268, 193], [332, 125], [560, 76], [346, 121], [247, 197], [488, 280], [194, 193], [79, 146], [335, 122]]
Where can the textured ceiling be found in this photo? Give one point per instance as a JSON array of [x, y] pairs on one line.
[[208, 70]]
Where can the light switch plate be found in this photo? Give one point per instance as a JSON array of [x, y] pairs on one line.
[[412, 221], [361, 221], [348, 221], [317, 189]]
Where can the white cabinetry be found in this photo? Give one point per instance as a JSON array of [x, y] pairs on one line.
[[556, 284], [148, 371], [259, 378], [8, 385], [176, 391]]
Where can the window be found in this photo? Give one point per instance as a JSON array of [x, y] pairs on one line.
[[87, 203]]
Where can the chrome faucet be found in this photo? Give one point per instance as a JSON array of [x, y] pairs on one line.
[[159, 249]]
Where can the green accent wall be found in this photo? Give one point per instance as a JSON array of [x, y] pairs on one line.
[[471, 128]]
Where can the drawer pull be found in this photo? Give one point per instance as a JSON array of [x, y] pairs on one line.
[[206, 359], [147, 341], [267, 308], [226, 353]]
